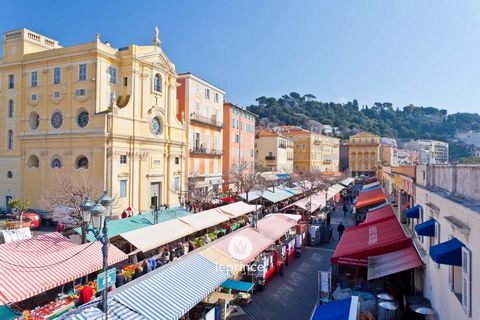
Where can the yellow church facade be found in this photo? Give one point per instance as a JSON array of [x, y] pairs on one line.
[[110, 112]]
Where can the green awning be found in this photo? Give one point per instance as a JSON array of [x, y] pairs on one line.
[[7, 314], [119, 226], [237, 285]]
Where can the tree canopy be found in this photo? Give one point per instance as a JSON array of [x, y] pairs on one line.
[[381, 118]]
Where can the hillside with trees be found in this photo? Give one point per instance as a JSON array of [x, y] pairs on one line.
[[381, 118]]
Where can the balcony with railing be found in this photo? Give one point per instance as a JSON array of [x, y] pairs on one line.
[[270, 158], [206, 151], [212, 121]]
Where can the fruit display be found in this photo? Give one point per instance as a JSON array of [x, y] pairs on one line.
[[129, 271], [49, 310]]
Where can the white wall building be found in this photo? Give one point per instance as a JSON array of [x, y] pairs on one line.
[[431, 151], [451, 196]]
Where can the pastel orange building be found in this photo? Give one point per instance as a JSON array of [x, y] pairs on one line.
[[201, 105], [238, 141]]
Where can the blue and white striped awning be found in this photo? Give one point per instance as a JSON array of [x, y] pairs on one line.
[[166, 293], [116, 311], [173, 291]]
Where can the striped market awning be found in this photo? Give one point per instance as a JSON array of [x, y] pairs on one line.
[[172, 292], [164, 294], [275, 226], [115, 311], [32, 266]]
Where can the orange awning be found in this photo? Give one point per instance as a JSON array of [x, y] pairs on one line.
[[371, 201]]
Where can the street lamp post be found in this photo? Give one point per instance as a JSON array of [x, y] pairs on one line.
[[97, 213], [156, 212]]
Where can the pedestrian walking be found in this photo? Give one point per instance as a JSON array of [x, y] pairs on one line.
[[340, 230], [345, 210]]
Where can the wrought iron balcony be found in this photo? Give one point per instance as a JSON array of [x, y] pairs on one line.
[[206, 152], [204, 120], [270, 158]]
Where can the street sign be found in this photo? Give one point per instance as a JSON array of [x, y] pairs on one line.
[[324, 286], [103, 283]]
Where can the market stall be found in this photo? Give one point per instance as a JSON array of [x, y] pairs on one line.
[[130, 302], [272, 195], [373, 255], [347, 182], [55, 261], [242, 291], [369, 239]]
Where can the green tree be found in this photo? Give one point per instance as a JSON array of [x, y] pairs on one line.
[[19, 205]]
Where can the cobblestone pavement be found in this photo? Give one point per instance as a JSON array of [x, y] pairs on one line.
[[293, 295]]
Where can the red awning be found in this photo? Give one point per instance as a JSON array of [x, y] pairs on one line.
[[380, 198], [393, 262], [369, 239], [364, 195], [381, 214], [228, 199], [32, 266]]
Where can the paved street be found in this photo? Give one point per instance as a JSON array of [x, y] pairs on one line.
[[293, 296]]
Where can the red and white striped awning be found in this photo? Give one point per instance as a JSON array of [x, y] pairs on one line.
[[32, 266]]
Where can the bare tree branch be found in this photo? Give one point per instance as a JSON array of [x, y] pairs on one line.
[[69, 190]]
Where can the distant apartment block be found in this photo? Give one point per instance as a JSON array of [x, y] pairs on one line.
[[344, 156], [312, 150], [408, 156], [431, 151], [388, 151], [238, 141], [202, 105], [364, 153], [273, 152]]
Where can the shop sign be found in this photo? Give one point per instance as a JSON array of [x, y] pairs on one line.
[[15, 234], [103, 282], [324, 285]]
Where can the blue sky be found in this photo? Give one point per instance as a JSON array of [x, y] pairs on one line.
[[406, 51]]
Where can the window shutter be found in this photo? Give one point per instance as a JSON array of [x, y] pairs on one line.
[[466, 281], [450, 273], [437, 237]]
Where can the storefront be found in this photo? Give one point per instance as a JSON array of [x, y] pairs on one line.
[[376, 256]]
